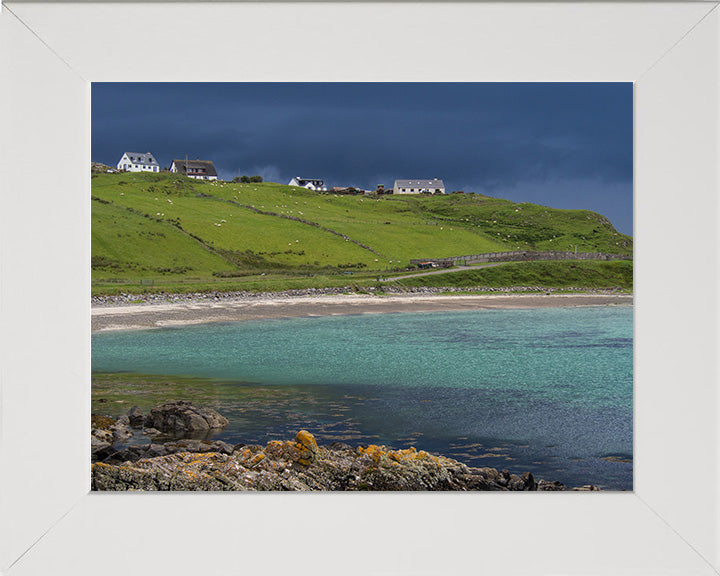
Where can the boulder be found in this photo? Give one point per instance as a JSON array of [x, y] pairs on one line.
[[503, 478], [198, 446], [135, 417], [101, 435], [100, 451], [550, 485], [155, 450], [120, 432], [307, 447], [182, 418], [97, 445], [529, 481], [522, 483]]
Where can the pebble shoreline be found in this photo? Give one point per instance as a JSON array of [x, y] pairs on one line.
[[213, 296]]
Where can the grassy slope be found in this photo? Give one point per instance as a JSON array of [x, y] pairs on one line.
[[177, 230], [525, 226], [563, 274], [126, 242]]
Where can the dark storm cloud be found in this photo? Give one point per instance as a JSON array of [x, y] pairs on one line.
[[499, 139]]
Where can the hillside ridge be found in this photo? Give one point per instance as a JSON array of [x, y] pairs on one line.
[[171, 231]]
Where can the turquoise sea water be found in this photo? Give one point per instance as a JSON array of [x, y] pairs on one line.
[[547, 390]]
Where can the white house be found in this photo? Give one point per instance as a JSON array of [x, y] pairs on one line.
[[198, 169], [419, 186], [309, 183], [138, 162]]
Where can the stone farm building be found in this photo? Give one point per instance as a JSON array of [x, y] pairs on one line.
[[309, 183], [138, 162], [198, 169], [419, 186]]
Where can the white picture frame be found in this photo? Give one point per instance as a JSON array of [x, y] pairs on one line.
[[51, 524]]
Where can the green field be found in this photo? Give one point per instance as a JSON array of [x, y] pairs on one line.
[[562, 274], [153, 232]]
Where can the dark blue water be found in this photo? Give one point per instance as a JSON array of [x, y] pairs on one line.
[[546, 390]]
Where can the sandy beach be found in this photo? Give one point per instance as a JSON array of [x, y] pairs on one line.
[[157, 315]]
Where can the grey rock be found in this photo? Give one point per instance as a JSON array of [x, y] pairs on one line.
[[102, 452], [503, 478], [545, 485], [135, 417], [121, 456], [155, 450], [96, 444], [198, 446], [224, 447], [102, 435], [529, 481], [120, 432], [182, 417]]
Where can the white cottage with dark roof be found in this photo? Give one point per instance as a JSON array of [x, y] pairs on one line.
[[198, 169], [309, 183], [419, 186], [138, 162]]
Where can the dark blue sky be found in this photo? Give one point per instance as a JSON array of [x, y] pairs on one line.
[[558, 144]]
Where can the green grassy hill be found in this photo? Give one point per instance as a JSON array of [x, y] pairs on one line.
[[560, 274], [180, 234]]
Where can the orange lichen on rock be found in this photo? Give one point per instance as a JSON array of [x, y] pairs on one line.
[[279, 450], [259, 457], [411, 454], [374, 451], [205, 458], [307, 448], [306, 442]]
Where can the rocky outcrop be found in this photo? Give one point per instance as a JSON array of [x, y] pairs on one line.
[[303, 465], [130, 454], [101, 436], [179, 421], [182, 418]]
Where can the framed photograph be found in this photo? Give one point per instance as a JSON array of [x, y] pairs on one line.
[[51, 53]]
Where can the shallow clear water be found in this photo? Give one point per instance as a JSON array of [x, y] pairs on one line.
[[547, 390]]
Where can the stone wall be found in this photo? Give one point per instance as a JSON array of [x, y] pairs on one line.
[[518, 256]]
